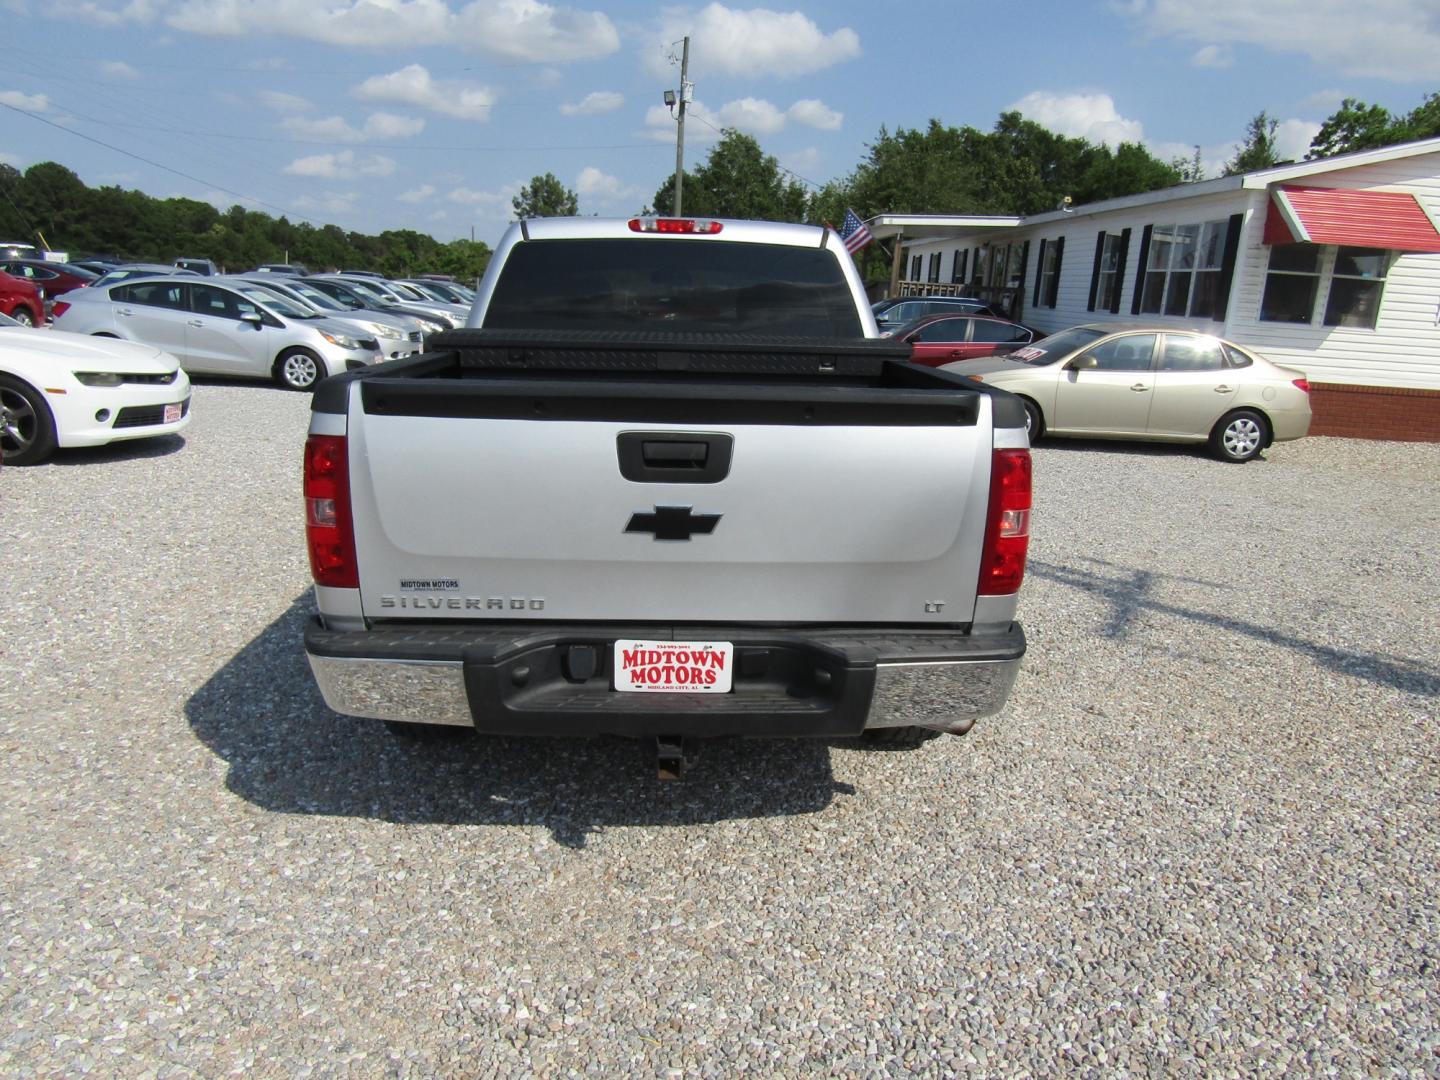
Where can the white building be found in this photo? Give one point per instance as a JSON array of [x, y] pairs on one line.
[[1331, 267]]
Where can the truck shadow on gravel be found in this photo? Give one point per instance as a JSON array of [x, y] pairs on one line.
[[289, 753], [1131, 593]]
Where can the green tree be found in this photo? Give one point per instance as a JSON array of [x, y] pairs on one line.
[[738, 180], [1257, 151], [545, 196], [1353, 126], [1423, 122]]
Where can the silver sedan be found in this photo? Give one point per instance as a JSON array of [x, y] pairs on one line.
[[1147, 382]]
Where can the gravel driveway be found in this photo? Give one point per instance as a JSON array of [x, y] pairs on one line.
[[1202, 839]]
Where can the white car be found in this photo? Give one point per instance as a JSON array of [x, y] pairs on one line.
[[59, 389], [235, 328]]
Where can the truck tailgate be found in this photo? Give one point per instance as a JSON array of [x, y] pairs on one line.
[[517, 496]]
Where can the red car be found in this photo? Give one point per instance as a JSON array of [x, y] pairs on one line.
[[51, 278], [21, 300], [943, 339]]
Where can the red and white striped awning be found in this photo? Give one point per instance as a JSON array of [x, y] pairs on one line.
[[1392, 220]]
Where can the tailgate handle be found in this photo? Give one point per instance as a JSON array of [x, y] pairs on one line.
[[660, 453], [674, 457]]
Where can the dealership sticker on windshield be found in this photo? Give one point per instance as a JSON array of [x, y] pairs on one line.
[[674, 667], [1027, 353]]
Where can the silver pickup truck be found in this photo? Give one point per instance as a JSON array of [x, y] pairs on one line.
[[669, 484]]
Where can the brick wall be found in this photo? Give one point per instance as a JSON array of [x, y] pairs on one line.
[[1375, 412]]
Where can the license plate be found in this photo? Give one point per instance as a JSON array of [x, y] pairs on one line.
[[674, 667], [172, 414]]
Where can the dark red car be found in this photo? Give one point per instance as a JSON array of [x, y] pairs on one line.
[[51, 278], [943, 339], [21, 300]]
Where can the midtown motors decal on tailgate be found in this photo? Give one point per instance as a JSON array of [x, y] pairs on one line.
[[675, 667]]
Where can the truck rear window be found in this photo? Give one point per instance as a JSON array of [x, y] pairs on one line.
[[658, 284]]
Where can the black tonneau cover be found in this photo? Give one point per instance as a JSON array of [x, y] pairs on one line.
[[563, 372]]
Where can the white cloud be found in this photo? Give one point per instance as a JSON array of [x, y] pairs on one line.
[[328, 202], [524, 30], [1084, 116], [343, 164], [1293, 138], [468, 197], [417, 195], [594, 184], [815, 114], [601, 101], [754, 42], [284, 103], [414, 85], [1213, 56], [9, 159], [118, 69], [380, 125], [754, 116], [531, 31], [98, 13], [751, 115], [1396, 40], [28, 102]]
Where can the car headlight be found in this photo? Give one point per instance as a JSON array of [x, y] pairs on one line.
[[431, 326], [380, 330], [343, 340], [98, 378]]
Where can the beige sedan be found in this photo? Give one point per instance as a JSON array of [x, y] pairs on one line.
[[1145, 382]]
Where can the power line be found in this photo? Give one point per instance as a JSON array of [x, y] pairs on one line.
[[159, 165]]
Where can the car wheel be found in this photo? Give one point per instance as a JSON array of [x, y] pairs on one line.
[[1034, 422], [23, 316], [298, 369], [1240, 436], [27, 430]]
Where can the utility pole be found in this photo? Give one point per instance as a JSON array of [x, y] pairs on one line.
[[680, 130]]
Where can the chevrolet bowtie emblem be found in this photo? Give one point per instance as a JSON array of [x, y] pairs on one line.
[[673, 523]]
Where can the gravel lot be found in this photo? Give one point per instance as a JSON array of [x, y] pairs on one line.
[[1201, 840]]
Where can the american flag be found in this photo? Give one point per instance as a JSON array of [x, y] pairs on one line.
[[854, 232]]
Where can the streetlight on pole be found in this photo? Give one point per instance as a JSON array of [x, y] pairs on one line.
[[686, 90]]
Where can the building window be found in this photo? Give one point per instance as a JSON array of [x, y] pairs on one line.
[[1356, 287], [934, 274], [1182, 275], [1291, 283], [957, 267], [1108, 282], [1050, 273], [1205, 293], [915, 268]]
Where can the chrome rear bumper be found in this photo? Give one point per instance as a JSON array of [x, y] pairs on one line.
[[941, 681]]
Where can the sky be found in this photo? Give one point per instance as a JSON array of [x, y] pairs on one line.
[[431, 114]]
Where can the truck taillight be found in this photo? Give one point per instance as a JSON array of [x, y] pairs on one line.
[[675, 225], [328, 528], [1007, 528]]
